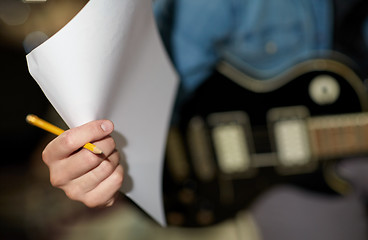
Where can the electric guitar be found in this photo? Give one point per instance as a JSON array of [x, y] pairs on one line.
[[239, 136]]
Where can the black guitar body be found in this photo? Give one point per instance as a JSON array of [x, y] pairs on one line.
[[192, 201], [220, 94]]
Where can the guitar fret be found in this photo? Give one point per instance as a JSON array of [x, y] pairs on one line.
[[314, 140], [363, 136], [350, 140]]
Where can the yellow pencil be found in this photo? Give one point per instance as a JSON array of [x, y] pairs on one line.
[[38, 122]]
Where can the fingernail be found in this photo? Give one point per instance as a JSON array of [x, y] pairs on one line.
[[106, 126]]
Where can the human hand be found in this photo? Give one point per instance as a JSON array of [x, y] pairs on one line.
[[93, 179]]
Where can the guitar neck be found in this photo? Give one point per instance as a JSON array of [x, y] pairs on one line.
[[338, 136]]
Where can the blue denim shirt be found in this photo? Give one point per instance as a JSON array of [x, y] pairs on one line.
[[262, 37]]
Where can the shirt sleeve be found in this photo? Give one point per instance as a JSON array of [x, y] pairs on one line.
[[197, 29]]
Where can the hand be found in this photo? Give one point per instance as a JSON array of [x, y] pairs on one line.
[[93, 179]]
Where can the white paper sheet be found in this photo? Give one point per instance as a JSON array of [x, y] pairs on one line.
[[109, 62]]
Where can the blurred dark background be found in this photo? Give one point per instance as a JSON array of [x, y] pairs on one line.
[[23, 26]]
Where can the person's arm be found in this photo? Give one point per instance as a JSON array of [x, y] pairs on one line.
[[93, 179]]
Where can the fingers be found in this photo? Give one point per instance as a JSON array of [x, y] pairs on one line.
[[93, 179], [74, 139], [104, 194], [80, 162]]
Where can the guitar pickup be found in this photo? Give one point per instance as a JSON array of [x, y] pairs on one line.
[[232, 142], [290, 139], [200, 149]]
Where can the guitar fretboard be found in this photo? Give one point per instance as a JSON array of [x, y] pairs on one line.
[[339, 136]]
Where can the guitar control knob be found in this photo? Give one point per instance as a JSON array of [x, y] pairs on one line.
[[324, 89]]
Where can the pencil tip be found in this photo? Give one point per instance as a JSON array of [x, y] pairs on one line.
[[97, 150], [93, 148]]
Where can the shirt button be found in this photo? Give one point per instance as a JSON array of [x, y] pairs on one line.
[[270, 47]]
